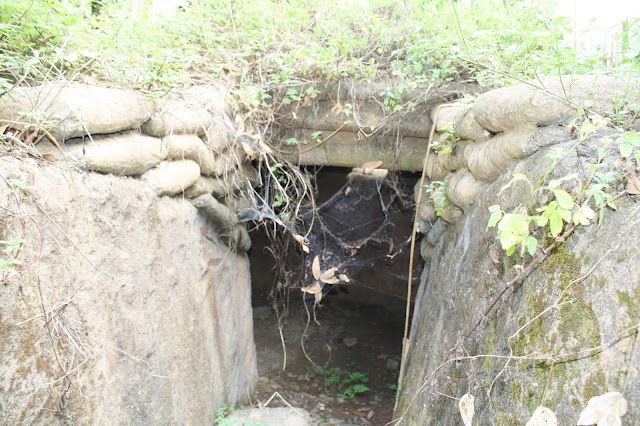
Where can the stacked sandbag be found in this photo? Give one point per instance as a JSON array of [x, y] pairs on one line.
[[184, 145], [477, 141]]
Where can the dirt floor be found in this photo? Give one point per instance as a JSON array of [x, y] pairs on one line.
[[355, 352]]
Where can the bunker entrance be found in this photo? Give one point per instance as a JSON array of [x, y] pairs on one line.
[[337, 355]]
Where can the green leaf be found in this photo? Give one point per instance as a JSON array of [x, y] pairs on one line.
[[554, 183], [541, 221], [564, 199], [494, 218], [565, 215], [532, 245], [555, 224], [627, 142], [447, 150], [494, 208]]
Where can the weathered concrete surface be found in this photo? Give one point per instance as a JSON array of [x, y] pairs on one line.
[[467, 272], [151, 322], [360, 116], [346, 149]]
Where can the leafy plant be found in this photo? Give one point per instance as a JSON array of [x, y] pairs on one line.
[[438, 196], [349, 384], [18, 187]]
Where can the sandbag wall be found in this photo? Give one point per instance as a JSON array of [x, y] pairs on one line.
[[181, 146], [132, 301], [565, 332]]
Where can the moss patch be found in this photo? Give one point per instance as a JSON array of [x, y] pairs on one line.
[[578, 326], [631, 301], [595, 384], [563, 266]]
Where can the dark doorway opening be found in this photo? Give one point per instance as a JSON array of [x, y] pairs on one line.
[[339, 358]]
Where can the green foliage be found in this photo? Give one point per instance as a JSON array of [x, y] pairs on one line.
[[348, 384], [269, 50], [438, 196], [223, 420], [449, 130], [514, 228], [18, 187], [11, 249], [629, 143]]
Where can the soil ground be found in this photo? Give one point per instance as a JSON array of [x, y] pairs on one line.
[[348, 339]]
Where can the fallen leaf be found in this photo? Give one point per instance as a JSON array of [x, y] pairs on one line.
[[370, 414], [466, 408], [604, 410], [328, 274], [371, 164], [633, 185], [344, 278], [312, 289], [330, 280], [315, 267], [264, 147], [249, 151], [300, 240], [49, 157], [543, 417]]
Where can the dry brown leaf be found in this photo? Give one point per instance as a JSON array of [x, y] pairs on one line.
[[49, 157], [337, 109], [264, 147], [344, 278], [466, 406], [371, 164], [543, 417], [315, 267], [300, 240], [313, 289], [330, 280], [328, 273], [604, 410], [249, 151], [633, 185]]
